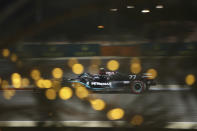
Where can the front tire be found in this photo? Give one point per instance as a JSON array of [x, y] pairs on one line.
[[138, 87]]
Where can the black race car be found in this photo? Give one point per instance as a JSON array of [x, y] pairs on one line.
[[115, 81]]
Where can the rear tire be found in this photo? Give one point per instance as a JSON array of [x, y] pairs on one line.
[[138, 87]]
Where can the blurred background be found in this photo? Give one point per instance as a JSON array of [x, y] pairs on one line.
[[45, 41]]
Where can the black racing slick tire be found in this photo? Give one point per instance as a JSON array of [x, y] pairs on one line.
[[138, 87]]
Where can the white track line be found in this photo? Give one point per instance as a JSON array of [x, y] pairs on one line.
[[171, 125]]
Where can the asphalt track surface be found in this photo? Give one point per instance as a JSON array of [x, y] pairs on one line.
[[175, 106]]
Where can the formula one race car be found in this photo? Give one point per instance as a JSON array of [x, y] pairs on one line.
[[114, 81]]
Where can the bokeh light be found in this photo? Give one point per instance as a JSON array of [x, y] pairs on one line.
[[93, 69], [152, 72], [0, 80], [35, 74], [135, 66], [100, 27], [4, 84], [115, 114], [50, 94], [5, 52], [47, 83], [137, 120], [57, 73], [40, 83], [190, 79], [19, 63], [16, 80], [113, 65], [13, 57], [81, 92], [25, 82], [65, 93], [8, 94], [78, 68], [98, 104], [72, 61], [56, 84]]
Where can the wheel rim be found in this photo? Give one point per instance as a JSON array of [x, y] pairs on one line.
[[137, 87]]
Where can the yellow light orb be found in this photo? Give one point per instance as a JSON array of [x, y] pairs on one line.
[[35, 74], [135, 60], [135, 66], [65, 93], [4, 84], [56, 84], [77, 68], [50, 94], [100, 27], [8, 94], [25, 82], [72, 61], [98, 104], [40, 83], [152, 72], [19, 63], [5, 52], [81, 92], [113, 65], [57, 73], [115, 114], [137, 120], [47, 83], [190, 79], [13, 57], [16, 80], [0, 80]]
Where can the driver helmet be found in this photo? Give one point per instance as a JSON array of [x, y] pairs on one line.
[[102, 71]]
